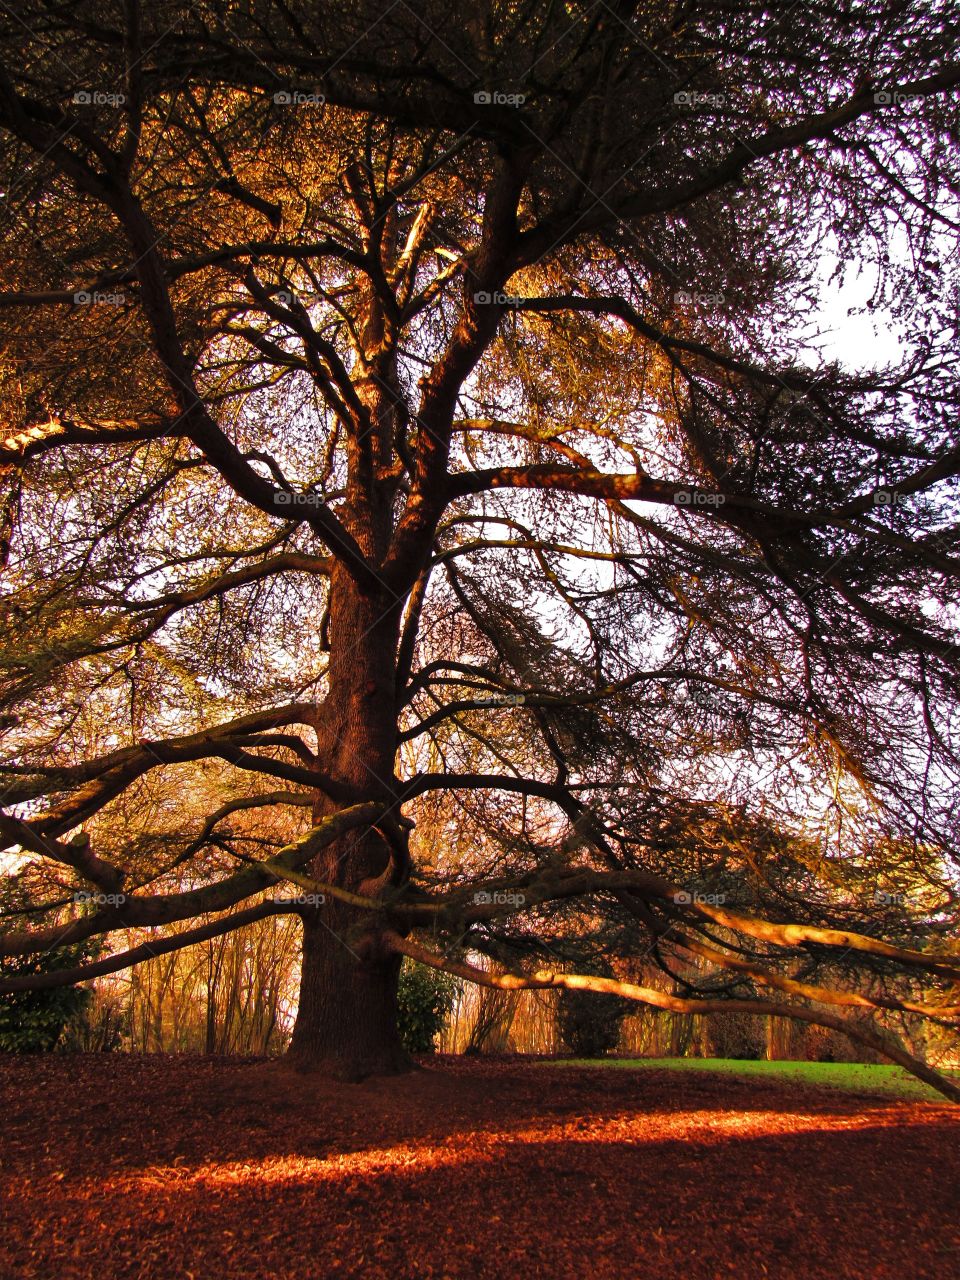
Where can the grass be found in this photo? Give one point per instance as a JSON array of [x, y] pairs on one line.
[[858, 1076]]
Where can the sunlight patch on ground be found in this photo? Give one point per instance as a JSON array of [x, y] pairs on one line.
[[626, 1128]]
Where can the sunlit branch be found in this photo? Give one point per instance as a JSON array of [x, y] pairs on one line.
[[808, 991], [544, 979]]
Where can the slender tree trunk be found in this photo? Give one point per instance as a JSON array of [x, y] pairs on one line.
[[347, 1018]]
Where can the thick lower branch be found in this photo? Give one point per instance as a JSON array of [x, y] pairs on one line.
[[145, 951], [169, 908]]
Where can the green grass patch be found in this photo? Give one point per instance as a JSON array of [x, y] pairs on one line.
[[858, 1076]]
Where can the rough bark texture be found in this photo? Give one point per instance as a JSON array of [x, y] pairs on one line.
[[346, 1024], [347, 1021]]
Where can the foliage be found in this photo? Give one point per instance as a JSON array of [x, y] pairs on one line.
[[424, 998], [445, 440], [35, 1021]]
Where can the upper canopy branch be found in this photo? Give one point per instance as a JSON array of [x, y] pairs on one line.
[[131, 762], [30, 121], [742, 156]]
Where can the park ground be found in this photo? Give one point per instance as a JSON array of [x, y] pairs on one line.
[[195, 1169]]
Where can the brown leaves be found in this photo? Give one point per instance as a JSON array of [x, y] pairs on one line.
[[188, 1167]]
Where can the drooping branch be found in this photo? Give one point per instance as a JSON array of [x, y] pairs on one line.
[[808, 991], [301, 799], [75, 853], [545, 979], [161, 909]]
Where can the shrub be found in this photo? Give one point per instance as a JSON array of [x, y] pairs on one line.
[[424, 1000], [589, 1022], [34, 1021], [735, 1035]]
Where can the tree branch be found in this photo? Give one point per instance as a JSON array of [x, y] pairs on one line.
[[547, 979]]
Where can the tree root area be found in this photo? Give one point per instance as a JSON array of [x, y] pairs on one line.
[[178, 1168]]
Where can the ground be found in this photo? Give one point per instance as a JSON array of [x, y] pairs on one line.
[[195, 1169]]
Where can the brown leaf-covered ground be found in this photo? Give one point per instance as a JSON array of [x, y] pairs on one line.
[[186, 1168]]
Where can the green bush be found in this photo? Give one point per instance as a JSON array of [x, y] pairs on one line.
[[589, 1022], [424, 998], [34, 1021]]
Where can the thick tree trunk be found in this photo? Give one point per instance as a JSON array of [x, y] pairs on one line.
[[346, 1024], [347, 1021]]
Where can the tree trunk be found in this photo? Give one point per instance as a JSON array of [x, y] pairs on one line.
[[346, 1023], [347, 1020]]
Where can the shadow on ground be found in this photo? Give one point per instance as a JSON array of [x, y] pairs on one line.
[[183, 1167]]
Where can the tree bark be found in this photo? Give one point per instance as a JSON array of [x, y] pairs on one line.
[[347, 1020], [346, 1024]]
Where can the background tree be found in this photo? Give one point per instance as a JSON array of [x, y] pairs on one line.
[[423, 425]]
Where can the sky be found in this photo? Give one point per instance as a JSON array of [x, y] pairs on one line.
[[857, 341]]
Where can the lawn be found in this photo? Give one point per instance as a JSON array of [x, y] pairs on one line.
[[859, 1076]]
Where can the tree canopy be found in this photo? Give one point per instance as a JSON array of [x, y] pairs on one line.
[[426, 490]]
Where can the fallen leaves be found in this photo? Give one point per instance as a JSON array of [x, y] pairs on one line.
[[174, 1168]]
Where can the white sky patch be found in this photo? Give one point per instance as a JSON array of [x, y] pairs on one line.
[[861, 340]]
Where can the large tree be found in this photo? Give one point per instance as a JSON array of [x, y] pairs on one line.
[[422, 425]]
